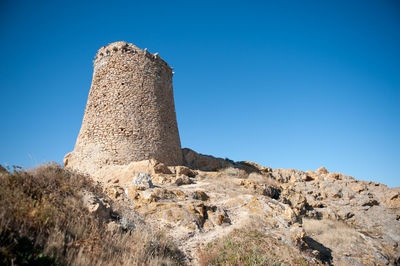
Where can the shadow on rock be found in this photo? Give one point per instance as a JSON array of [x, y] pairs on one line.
[[324, 253]]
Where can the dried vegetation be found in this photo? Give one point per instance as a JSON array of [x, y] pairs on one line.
[[330, 232], [250, 246], [43, 220]]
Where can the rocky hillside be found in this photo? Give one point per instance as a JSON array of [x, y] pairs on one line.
[[209, 211]]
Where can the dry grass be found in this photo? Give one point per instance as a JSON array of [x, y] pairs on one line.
[[331, 233], [262, 179], [250, 247], [233, 172], [43, 221], [238, 173], [227, 181], [223, 181]]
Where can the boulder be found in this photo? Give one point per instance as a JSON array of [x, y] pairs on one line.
[[393, 200], [336, 176], [357, 187], [309, 176], [183, 180], [290, 214], [98, 206], [160, 168], [142, 181], [142, 197], [200, 195], [149, 196], [321, 171], [288, 175], [183, 170], [218, 216]]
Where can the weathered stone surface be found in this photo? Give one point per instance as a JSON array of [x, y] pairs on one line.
[[115, 192], [310, 176], [96, 205], [125, 173], [160, 168], [200, 195], [393, 200], [183, 170], [195, 160], [130, 113], [142, 181], [213, 203], [288, 175], [321, 171], [357, 187], [183, 180], [251, 167], [334, 175]]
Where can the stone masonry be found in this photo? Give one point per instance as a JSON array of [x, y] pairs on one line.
[[130, 113]]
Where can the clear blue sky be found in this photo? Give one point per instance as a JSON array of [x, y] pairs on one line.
[[287, 84]]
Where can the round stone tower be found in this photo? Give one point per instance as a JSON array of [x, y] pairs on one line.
[[130, 113]]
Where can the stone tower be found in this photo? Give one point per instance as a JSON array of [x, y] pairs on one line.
[[130, 112]]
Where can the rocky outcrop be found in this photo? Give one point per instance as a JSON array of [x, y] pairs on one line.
[[98, 206], [142, 181], [202, 162], [209, 197], [369, 208]]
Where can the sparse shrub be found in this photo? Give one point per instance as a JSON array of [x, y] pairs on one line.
[[263, 179], [249, 247], [43, 221], [330, 233], [233, 172]]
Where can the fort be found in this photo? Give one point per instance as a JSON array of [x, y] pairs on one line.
[[130, 112], [129, 146]]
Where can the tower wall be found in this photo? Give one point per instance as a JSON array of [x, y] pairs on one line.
[[130, 112]]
